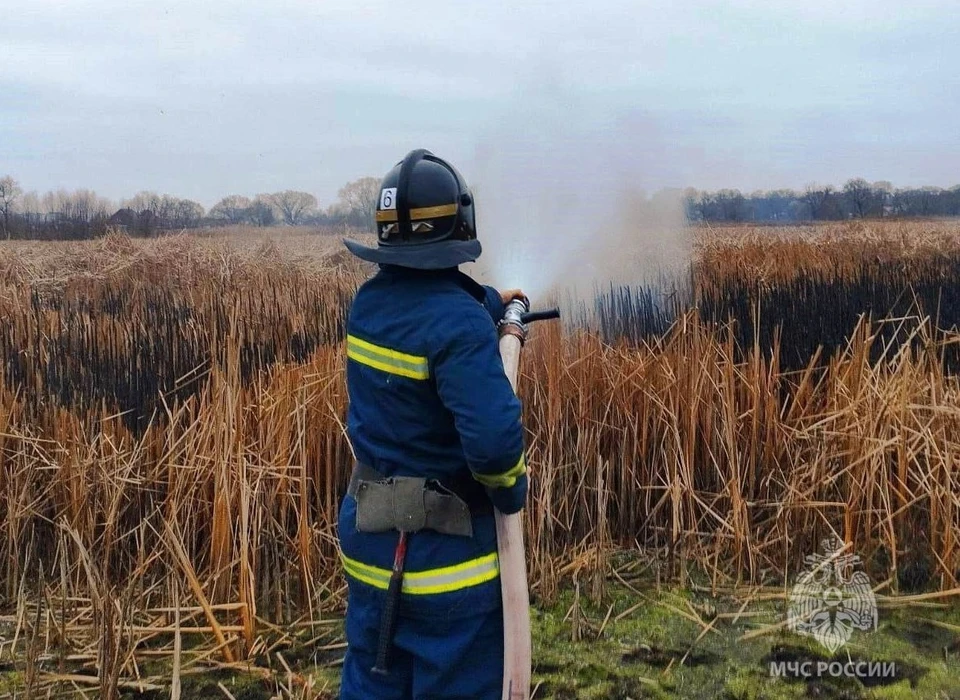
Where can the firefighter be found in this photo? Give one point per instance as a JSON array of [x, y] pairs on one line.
[[435, 428]]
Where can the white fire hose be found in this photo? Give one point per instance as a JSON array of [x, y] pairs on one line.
[[517, 649]]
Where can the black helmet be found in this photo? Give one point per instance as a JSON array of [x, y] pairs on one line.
[[425, 216]]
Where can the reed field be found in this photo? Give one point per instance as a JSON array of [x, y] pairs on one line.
[[172, 448]]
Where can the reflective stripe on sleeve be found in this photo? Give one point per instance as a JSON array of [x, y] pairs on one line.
[[387, 360], [505, 480], [443, 580]]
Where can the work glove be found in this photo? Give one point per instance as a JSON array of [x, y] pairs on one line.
[[508, 295]]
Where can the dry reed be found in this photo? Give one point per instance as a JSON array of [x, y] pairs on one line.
[[172, 448]]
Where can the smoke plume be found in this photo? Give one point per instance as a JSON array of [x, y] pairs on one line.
[[571, 200]]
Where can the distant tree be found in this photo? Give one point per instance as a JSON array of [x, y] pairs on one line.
[[858, 194], [186, 213], [883, 194], [899, 202], [922, 201], [149, 207], [30, 203], [77, 214], [732, 205], [145, 205], [817, 198], [85, 206], [357, 200], [928, 199], [262, 212], [691, 199], [9, 194], [953, 201], [776, 205], [145, 201], [163, 211], [702, 206], [52, 203], [292, 205], [724, 205], [167, 210], [233, 209], [821, 202]]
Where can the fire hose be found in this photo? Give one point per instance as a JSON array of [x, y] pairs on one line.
[[517, 650]]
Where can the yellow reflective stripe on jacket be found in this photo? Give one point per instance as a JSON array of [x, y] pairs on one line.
[[504, 480], [443, 580], [387, 360]]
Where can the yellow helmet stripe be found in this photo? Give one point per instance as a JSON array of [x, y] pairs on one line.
[[421, 213]]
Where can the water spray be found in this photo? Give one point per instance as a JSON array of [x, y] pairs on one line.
[[574, 201]]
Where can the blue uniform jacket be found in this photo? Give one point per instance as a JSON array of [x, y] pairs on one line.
[[429, 398]]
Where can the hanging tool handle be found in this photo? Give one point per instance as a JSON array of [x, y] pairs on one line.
[[391, 606]]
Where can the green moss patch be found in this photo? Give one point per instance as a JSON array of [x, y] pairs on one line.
[[643, 641]]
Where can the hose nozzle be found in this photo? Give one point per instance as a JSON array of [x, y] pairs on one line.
[[518, 314]]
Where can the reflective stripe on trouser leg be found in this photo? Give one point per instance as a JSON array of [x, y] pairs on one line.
[[442, 580]]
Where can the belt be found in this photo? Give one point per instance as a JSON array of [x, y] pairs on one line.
[[409, 504]]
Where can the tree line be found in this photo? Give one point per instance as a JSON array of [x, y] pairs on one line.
[[78, 214], [857, 198], [65, 215]]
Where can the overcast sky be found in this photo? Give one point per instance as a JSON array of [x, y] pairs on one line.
[[202, 99]]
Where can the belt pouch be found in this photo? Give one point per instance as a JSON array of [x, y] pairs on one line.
[[391, 504]]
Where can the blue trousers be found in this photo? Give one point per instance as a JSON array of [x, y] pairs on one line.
[[432, 659]]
